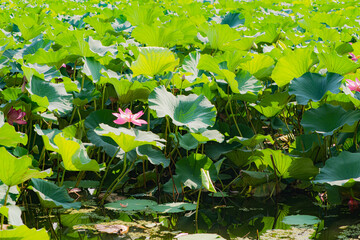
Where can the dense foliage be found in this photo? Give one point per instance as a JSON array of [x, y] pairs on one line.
[[168, 98]]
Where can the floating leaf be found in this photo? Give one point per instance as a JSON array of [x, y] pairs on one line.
[[175, 207], [193, 111], [204, 236], [301, 220], [131, 205]]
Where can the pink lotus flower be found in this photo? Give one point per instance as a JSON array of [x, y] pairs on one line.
[[127, 116], [354, 57], [353, 85], [15, 116]]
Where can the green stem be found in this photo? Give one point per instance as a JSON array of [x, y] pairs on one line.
[[197, 211], [79, 178], [106, 171], [62, 178], [103, 97], [114, 183], [5, 202], [232, 114], [72, 115]]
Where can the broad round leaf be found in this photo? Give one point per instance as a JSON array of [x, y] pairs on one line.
[[8, 136], [328, 118], [93, 121], [14, 170], [174, 207], [203, 236], [343, 170], [24, 233], [313, 86], [153, 61], [52, 196], [129, 139], [74, 155], [154, 156], [193, 111], [301, 220], [131, 205]]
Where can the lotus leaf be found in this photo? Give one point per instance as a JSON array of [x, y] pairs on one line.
[[153, 61], [193, 111], [342, 170], [14, 171], [312, 86], [328, 118], [52, 196]]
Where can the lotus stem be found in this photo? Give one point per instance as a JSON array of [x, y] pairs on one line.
[[106, 171], [5, 202], [197, 211]]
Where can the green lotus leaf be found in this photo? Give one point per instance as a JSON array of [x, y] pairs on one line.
[[337, 64], [50, 57], [328, 118], [247, 83], [272, 104], [48, 136], [187, 141], [270, 34], [127, 91], [97, 47], [205, 135], [14, 171], [174, 207], [301, 220], [291, 66], [233, 19], [190, 65], [286, 166], [155, 156], [8, 136], [188, 170], [221, 37], [205, 236], [59, 100], [260, 65], [342, 170], [153, 61], [92, 69], [253, 141], [206, 180], [93, 121], [313, 86], [142, 14], [24, 233], [74, 154], [239, 157], [157, 36], [28, 27], [131, 205], [193, 111], [101, 27], [129, 139], [52, 196]]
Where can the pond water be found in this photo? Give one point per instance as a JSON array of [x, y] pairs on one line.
[[231, 217]]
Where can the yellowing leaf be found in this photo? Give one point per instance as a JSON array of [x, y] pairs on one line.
[[154, 60]]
